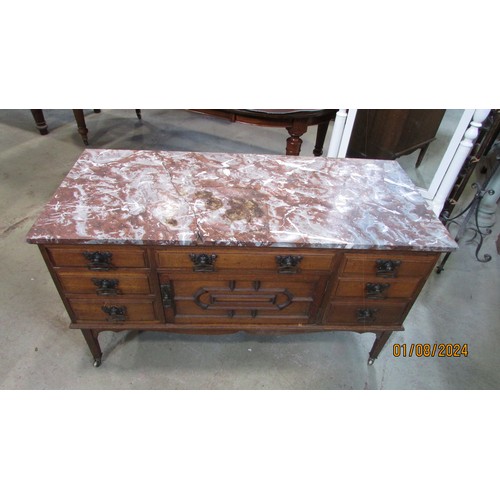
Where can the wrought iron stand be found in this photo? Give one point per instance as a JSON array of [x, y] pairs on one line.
[[471, 210]]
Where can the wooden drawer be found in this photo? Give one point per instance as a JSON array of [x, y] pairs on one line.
[[113, 311], [377, 288], [245, 260], [97, 257], [109, 284], [366, 314], [388, 265], [287, 300]]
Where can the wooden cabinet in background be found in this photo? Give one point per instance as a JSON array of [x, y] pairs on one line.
[[391, 133]]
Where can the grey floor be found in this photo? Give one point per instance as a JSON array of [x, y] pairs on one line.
[[38, 351]]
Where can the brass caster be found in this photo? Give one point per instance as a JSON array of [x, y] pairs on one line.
[[371, 361], [97, 362]]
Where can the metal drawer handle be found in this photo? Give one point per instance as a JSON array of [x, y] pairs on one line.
[[99, 261], [167, 295], [366, 315], [115, 313], [387, 268], [376, 290], [106, 287], [288, 264], [203, 262]]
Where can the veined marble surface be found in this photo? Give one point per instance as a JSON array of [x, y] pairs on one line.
[[181, 198]]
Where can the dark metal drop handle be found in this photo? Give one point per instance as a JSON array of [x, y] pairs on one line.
[[376, 290], [106, 287], [115, 313], [387, 268], [99, 261], [288, 264], [203, 262], [366, 315]]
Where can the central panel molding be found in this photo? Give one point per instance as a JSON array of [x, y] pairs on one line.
[[217, 298]]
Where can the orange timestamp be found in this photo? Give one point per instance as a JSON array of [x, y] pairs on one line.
[[430, 350]]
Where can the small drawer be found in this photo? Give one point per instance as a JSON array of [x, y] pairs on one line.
[[98, 257], [281, 261], [376, 289], [366, 313], [111, 284], [387, 266], [113, 311]]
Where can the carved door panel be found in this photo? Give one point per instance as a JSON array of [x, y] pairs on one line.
[[259, 299]]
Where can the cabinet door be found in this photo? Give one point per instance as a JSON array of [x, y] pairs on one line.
[[389, 133], [260, 299]]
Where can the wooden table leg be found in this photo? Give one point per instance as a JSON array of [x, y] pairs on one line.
[[320, 138], [294, 142], [421, 155], [93, 343], [380, 341], [82, 127], [40, 123]]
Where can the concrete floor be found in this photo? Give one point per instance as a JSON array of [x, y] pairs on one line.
[[38, 351]]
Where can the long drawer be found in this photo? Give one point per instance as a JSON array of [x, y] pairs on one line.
[[282, 261]]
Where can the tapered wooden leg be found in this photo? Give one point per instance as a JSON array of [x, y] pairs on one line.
[[294, 142], [380, 341], [421, 155], [138, 113], [320, 138], [82, 127], [93, 343], [40, 123]]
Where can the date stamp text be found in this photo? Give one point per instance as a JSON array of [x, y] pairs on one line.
[[430, 350]]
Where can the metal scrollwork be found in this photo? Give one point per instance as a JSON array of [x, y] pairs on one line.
[[387, 268], [99, 261], [106, 287], [376, 290], [167, 295], [288, 264], [366, 315], [115, 313], [203, 262]]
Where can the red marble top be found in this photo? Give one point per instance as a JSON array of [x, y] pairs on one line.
[[182, 198]]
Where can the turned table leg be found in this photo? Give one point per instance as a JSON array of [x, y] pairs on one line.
[[380, 341], [294, 142], [40, 123], [93, 343], [82, 127], [320, 138]]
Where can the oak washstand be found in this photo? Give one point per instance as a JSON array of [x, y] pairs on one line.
[[216, 243]]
